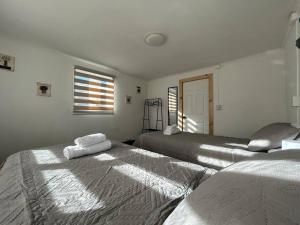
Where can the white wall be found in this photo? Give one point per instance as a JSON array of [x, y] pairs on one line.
[[291, 76], [251, 90], [28, 121], [292, 82]]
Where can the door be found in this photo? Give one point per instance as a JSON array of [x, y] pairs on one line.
[[196, 106]]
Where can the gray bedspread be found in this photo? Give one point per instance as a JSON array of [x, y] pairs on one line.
[[211, 151], [264, 190], [124, 185]]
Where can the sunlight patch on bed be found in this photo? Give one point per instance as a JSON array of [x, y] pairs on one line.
[[153, 181], [212, 161], [68, 194], [186, 213], [188, 165], [278, 169], [243, 153], [104, 157], [147, 153], [234, 154], [45, 156], [245, 146], [215, 148]]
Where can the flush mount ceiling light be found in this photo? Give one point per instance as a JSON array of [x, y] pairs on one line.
[[155, 39]]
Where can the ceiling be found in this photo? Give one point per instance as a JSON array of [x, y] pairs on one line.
[[111, 32]]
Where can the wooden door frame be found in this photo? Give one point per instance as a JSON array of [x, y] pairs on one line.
[[210, 97]]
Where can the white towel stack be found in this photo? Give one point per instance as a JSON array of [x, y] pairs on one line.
[[87, 145], [89, 140], [170, 130]]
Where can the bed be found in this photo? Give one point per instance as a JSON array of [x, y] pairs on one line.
[[262, 190], [124, 185], [210, 151]]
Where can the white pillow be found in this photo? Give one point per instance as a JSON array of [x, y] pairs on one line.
[[271, 136]]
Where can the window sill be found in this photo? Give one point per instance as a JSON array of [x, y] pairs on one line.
[[92, 114]]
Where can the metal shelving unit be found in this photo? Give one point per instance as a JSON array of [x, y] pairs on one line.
[[157, 104]]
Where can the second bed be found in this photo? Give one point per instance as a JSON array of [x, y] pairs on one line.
[[211, 151]]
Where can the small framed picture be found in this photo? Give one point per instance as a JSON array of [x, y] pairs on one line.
[[43, 89], [7, 62], [128, 99]]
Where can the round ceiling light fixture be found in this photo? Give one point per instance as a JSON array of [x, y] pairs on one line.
[[155, 39]]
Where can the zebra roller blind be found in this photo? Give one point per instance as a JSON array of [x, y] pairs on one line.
[[93, 92]]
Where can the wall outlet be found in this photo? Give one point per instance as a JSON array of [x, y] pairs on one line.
[[219, 107]]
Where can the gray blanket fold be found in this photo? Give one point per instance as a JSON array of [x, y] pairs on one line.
[[211, 151], [260, 191], [125, 185]]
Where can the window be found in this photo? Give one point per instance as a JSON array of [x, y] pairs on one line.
[[93, 92]]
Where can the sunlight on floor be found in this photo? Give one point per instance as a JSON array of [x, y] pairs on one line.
[[45, 157], [68, 194]]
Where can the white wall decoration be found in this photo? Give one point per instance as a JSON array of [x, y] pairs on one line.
[[43, 89], [7, 62]]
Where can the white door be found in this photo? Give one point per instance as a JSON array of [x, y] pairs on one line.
[[196, 106]]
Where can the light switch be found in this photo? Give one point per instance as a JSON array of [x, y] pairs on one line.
[[219, 107]]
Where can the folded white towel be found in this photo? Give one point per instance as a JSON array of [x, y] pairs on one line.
[[172, 130], [172, 127], [91, 139], [71, 152]]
